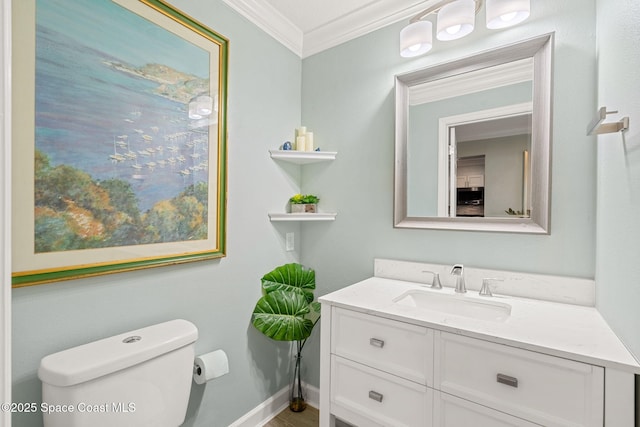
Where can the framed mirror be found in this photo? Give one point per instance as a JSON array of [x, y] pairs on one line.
[[473, 138]]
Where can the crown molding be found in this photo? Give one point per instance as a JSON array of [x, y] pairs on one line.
[[366, 19], [361, 21], [267, 18], [477, 81]]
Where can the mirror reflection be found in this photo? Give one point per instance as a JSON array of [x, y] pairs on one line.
[[491, 171], [472, 142], [474, 134]]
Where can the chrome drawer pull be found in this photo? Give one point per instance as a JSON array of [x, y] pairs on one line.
[[376, 342], [375, 396], [507, 380]]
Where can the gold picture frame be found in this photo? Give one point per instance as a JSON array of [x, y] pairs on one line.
[[119, 138]]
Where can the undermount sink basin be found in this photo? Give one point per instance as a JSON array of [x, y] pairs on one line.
[[457, 305]]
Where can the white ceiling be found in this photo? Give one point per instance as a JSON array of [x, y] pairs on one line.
[[311, 26]]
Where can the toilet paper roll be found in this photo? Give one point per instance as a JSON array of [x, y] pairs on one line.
[[209, 366]]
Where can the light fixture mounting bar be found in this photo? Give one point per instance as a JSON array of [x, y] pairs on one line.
[[436, 7]]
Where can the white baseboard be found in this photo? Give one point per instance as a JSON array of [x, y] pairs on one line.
[[313, 395], [271, 407]]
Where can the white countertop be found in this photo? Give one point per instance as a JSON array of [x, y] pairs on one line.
[[564, 330]]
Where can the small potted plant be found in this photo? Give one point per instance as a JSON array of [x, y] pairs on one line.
[[518, 213], [304, 203]]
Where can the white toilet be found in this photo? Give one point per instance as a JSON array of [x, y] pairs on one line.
[[139, 378]]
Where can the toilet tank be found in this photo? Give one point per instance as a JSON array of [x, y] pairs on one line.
[[138, 378]]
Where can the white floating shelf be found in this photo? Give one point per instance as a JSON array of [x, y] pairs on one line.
[[303, 157], [321, 216]]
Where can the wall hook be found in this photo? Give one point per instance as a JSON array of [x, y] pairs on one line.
[[596, 126]]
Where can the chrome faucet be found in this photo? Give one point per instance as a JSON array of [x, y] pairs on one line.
[[458, 271]]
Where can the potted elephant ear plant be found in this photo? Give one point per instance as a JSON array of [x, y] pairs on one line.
[[287, 312]]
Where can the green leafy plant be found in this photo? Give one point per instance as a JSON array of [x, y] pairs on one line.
[[287, 312], [300, 199]]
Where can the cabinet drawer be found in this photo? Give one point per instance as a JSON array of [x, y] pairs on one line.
[[395, 347], [374, 395], [547, 390], [451, 411]]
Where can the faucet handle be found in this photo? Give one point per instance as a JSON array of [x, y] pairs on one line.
[[435, 283], [485, 291]]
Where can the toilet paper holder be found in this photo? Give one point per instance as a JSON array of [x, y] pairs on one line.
[[209, 366]]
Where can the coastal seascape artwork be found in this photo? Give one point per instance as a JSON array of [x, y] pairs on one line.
[[127, 142]]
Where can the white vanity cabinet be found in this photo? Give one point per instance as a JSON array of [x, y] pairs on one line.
[[381, 370], [395, 352], [384, 372], [539, 388], [451, 411], [398, 348]]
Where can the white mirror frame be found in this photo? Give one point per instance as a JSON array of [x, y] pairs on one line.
[[541, 50]]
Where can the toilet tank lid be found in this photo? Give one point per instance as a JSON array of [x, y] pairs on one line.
[[95, 359]]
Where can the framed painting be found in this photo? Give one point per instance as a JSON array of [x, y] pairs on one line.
[[119, 138]]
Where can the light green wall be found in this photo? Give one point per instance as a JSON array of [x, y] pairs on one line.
[[218, 296], [348, 100], [423, 136], [618, 237]]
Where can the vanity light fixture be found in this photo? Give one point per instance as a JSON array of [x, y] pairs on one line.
[[505, 13], [416, 39], [456, 19]]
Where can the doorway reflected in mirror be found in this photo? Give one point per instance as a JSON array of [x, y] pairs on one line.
[[512, 82]]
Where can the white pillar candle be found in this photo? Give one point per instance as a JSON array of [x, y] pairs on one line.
[[308, 141], [300, 133], [300, 143]]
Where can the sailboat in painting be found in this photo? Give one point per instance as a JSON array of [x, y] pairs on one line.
[[93, 85]]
